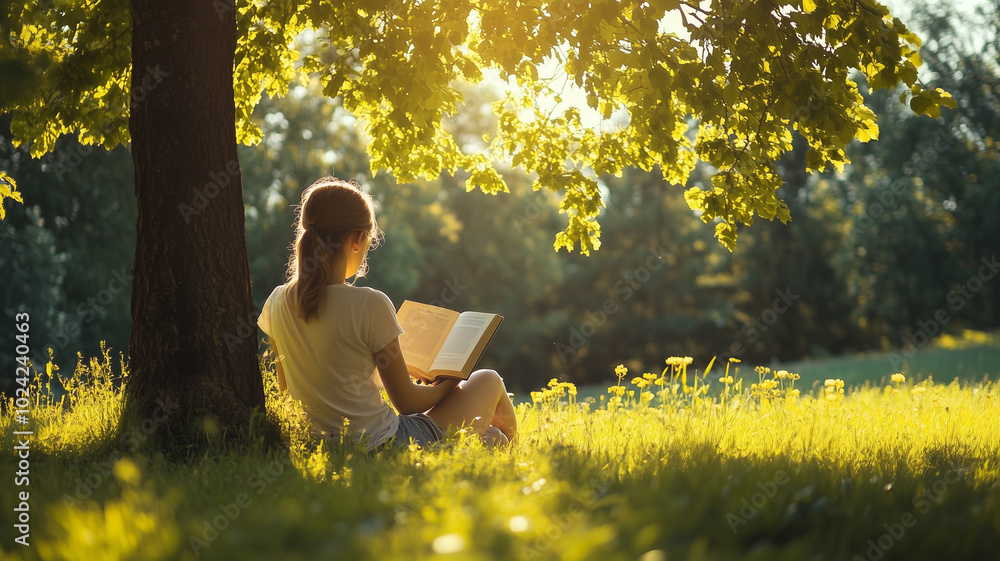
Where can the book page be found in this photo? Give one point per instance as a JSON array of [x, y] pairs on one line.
[[425, 329], [464, 336]]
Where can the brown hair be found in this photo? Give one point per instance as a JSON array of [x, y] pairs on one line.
[[331, 211]]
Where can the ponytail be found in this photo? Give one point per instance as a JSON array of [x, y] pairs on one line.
[[330, 213]]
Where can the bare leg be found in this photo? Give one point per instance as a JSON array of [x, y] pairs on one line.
[[479, 402], [504, 417]]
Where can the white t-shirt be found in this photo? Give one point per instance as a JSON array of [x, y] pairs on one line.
[[329, 362]]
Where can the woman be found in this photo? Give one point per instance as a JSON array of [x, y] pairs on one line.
[[337, 344]]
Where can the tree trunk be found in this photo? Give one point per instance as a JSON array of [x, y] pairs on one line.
[[193, 346]]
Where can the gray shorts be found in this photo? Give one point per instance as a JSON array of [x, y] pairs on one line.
[[418, 427]]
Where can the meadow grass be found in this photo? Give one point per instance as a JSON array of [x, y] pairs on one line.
[[685, 467], [970, 355]]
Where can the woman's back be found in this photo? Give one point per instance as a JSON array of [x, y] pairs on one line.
[[329, 361]]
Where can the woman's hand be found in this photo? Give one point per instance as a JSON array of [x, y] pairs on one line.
[[403, 393]]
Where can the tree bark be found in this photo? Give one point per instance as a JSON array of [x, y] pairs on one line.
[[193, 346]]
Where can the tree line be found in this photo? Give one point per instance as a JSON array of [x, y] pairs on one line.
[[893, 250]]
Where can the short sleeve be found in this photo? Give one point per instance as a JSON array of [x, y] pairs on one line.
[[264, 321], [380, 321]]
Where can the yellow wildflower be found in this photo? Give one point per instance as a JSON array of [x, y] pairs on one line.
[[898, 378], [834, 388]]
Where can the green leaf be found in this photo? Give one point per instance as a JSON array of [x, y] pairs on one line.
[[730, 93], [923, 104], [944, 98], [8, 190], [726, 234]]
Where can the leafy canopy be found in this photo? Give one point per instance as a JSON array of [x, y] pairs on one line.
[[730, 94]]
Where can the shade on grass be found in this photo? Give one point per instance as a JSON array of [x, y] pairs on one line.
[[899, 470]]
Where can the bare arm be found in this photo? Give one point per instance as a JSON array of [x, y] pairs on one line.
[[282, 387], [404, 394]]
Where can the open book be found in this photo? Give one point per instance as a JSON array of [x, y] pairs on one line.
[[441, 343]]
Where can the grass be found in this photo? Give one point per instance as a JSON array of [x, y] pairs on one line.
[[683, 468], [969, 356]]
